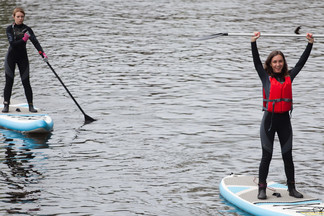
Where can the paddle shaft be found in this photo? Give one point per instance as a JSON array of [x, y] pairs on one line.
[[270, 35], [251, 34], [88, 119]]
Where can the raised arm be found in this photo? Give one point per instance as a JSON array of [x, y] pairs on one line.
[[256, 58], [302, 60]]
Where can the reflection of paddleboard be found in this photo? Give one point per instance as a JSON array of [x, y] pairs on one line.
[[242, 191], [20, 119], [19, 140]]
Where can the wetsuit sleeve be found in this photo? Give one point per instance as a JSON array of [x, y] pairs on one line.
[[11, 38], [258, 64], [34, 40], [301, 62]]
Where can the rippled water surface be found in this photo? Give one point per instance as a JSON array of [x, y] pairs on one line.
[[174, 116]]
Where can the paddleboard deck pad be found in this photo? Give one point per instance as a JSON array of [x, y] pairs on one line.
[[242, 191], [20, 119]]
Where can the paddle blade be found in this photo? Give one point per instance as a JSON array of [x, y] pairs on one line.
[[210, 36], [297, 30], [88, 119]]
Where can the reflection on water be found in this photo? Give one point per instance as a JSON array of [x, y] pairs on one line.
[[235, 210], [21, 176]]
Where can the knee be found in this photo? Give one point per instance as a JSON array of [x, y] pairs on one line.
[[26, 83], [266, 156], [9, 82], [287, 157]]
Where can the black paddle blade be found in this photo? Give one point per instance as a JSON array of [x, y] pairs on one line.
[[88, 119], [297, 30], [210, 36]]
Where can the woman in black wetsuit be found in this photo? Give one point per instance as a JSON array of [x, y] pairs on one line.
[[18, 34], [277, 102]]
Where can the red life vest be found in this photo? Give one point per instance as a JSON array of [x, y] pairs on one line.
[[280, 96]]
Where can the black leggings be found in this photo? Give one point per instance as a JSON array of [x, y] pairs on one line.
[[276, 123], [23, 66]]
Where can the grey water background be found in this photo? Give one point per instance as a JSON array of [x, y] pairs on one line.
[[174, 116]]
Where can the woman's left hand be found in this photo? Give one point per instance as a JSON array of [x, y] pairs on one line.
[[310, 37], [45, 58]]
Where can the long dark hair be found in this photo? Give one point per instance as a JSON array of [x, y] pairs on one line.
[[268, 68]]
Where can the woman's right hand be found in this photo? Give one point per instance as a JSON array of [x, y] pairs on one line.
[[256, 36], [26, 36]]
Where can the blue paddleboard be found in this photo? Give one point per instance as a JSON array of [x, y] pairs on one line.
[[20, 119], [242, 191]]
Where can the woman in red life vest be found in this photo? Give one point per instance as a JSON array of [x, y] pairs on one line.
[[277, 102]]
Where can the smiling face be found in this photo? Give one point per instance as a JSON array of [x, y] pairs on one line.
[[277, 63]]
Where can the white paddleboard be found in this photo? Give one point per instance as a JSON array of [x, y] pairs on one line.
[[242, 191], [20, 119]]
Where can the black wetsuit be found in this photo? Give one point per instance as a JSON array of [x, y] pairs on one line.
[[276, 122], [17, 54]]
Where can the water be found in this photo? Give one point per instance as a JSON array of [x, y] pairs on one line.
[[174, 116]]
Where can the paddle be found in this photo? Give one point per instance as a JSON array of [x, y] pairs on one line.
[[87, 119], [251, 34]]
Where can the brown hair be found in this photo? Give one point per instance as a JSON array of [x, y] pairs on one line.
[[16, 10], [268, 68]]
